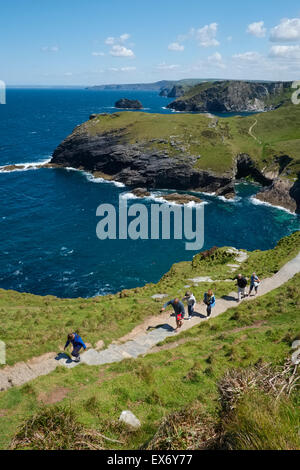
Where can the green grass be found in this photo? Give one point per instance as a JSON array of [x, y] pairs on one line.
[[259, 422], [32, 325], [187, 136], [162, 383]]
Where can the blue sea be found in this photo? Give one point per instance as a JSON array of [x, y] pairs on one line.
[[48, 242]]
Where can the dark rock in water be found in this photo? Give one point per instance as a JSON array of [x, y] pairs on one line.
[[283, 193], [141, 192], [182, 198], [227, 191], [125, 103], [93, 116]]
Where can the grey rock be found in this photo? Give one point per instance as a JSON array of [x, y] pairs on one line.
[[130, 419]]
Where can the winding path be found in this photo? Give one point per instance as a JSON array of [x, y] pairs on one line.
[[138, 342], [251, 133]]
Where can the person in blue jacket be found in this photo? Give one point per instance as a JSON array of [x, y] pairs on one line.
[[77, 344], [178, 310], [210, 301]]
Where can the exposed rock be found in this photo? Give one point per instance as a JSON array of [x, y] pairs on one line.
[[283, 193], [129, 418], [232, 96], [182, 198], [141, 192], [159, 296], [125, 103], [99, 345], [227, 191], [135, 165]]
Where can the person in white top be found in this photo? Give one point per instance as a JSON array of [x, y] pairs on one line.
[[191, 301]]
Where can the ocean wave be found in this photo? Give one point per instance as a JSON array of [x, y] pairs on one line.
[[233, 200], [258, 202], [158, 197], [24, 166], [96, 179]]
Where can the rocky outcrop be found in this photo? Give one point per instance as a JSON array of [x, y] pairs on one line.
[[125, 103], [141, 192], [233, 96], [283, 193], [173, 92], [110, 152], [135, 165], [181, 198]]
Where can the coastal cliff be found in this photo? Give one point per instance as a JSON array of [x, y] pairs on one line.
[[191, 152], [232, 96]]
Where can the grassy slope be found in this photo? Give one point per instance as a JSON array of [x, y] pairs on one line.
[[166, 381], [32, 325], [278, 134]]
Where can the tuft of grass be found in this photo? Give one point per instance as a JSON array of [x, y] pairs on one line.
[[259, 422], [55, 428]]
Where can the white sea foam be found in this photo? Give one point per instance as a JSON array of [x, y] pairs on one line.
[[258, 202], [24, 166], [96, 179], [233, 200]]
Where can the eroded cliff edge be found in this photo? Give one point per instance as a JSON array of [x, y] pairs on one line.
[[183, 152]]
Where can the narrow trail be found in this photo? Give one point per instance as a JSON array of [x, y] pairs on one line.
[[144, 337], [251, 133]]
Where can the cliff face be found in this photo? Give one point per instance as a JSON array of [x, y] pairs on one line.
[[134, 164], [190, 152], [233, 96]]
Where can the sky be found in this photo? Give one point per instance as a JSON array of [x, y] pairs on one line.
[[75, 42]]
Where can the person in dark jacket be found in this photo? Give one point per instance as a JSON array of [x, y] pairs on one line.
[[178, 309], [241, 285], [77, 344], [210, 301]]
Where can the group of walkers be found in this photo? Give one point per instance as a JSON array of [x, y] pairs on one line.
[[209, 299], [178, 305], [179, 310]]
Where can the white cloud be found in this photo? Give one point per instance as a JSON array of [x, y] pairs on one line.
[[128, 69], [121, 51], [257, 29], [164, 66], [217, 60], [247, 56], [285, 52], [287, 30], [175, 46], [121, 69], [98, 54], [206, 36], [117, 40], [50, 49], [229, 39]]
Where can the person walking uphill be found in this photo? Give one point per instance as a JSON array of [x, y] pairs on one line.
[[241, 284], [178, 309], [191, 301], [210, 301], [254, 283], [77, 344]]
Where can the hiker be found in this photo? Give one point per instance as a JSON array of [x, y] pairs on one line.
[[77, 343], [210, 301], [241, 284], [254, 283], [178, 309], [191, 301]]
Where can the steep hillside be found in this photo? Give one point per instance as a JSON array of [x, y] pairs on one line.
[[192, 151], [233, 96], [227, 383]]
